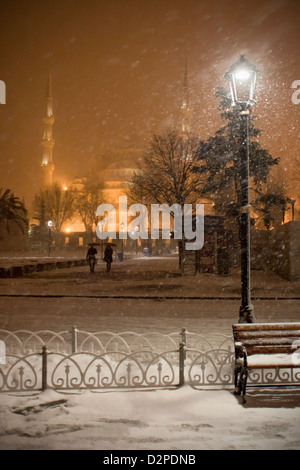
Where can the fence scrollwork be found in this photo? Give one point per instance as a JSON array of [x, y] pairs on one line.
[[211, 367], [20, 373], [77, 360], [112, 370]]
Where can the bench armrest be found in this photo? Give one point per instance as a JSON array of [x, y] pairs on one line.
[[240, 352]]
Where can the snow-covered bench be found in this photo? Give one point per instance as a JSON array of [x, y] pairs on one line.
[[263, 346]]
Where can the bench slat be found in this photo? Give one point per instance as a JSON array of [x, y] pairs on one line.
[[271, 361], [269, 350], [266, 326], [267, 338], [268, 334], [272, 366], [269, 342]]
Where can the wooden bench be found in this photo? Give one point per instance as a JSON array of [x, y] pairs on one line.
[[264, 346]]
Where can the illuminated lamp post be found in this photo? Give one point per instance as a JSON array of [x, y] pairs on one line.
[[122, 228], [50, 225], [102, 241], [136, 241], [242, 81]]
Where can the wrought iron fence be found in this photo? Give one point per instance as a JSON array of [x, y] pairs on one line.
[[211, 367], [77, 360], [73, 341], [113, 370], [21, 373]]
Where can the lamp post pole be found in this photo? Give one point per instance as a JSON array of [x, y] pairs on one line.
[[136, 241], [102, 248], [246, 308], [242, 81], [122, 228]]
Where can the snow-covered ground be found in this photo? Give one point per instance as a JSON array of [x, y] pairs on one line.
[[144, 294], [147, 277], [180, 419]]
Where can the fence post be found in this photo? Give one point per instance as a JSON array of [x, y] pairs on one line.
[[183, 339], [44, 368], [74, 339], [183, 336], [181, 363]]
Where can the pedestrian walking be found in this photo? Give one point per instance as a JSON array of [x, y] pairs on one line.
[[108, 257], [91, 257]]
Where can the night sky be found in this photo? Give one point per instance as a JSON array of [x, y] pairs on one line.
[[117, 71]]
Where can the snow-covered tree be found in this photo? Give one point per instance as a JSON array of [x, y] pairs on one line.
[[272, 203], [220, 160]]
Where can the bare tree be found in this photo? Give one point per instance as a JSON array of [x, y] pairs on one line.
[[166, 174], [54, 203], [86, 202]]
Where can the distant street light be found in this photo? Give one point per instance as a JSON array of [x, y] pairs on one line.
[[242, 81], [122, 228], [136, 241], [50, 225], [102, 223]]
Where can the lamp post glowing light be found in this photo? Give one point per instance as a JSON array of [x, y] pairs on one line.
[[242, 78], [242, 82], [242, 75]]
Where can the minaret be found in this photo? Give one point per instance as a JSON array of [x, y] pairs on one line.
[[185, 107], [48, 141]]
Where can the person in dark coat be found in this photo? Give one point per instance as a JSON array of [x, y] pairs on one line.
[[91, 257], [108, 257]]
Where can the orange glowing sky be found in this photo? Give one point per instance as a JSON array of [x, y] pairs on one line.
[[117, 70]]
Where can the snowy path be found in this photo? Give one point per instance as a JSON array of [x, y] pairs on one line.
[[164, 419], [135, 314], [59, 299], [156, 277]]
